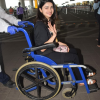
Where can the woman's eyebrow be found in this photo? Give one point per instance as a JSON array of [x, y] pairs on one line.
[[48, 6]]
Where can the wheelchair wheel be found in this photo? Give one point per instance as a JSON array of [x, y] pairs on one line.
[[30, 79], [68, 93]]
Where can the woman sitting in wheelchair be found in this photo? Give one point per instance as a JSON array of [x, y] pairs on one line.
[[45, 32]]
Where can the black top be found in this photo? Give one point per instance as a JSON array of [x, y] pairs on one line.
[[41, 34]]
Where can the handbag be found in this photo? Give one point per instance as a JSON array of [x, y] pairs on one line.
[[61, 48]]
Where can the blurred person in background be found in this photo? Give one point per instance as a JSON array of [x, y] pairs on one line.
[[26, 12], [11, 11], [20, 11], [96, 7]]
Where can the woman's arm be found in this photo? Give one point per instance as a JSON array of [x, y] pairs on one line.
[[53, 30], [42, 35], [60, 43], [49, 41]]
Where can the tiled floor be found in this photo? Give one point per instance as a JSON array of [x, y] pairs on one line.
[[12, 54]]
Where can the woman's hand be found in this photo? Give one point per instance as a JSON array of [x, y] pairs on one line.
[[43, 50], [52, 29]]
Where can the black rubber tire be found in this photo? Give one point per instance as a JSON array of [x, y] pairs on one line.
[[21, 81], [68, 91]]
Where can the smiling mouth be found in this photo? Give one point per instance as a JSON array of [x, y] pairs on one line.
[[50, 13]]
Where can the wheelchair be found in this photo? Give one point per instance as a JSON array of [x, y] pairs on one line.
[[38, 79]]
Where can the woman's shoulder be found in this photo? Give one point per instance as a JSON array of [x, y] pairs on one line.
[[39, 22]]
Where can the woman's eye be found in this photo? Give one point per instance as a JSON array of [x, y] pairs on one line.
[[46, 8]]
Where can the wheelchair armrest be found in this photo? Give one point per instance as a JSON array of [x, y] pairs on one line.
[[44, 46]]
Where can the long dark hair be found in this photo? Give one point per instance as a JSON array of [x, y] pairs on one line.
[[40, 16]]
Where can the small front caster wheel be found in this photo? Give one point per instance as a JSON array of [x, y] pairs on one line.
[[68, 93]]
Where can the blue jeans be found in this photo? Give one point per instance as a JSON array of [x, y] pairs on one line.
[[4, 78]]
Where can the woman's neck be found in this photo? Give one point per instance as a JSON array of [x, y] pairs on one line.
[[48, 19]]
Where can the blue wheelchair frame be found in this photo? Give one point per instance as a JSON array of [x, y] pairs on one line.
[[50, 62]]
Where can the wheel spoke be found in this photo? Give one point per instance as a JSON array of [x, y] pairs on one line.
[[47, 78], [36, 72], [47, 87], [38, 91], [29, 87], [28, 77]]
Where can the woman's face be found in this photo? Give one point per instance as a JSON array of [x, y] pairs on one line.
[[47, 10]]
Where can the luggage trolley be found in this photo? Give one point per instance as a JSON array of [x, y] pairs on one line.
[[38, 78]]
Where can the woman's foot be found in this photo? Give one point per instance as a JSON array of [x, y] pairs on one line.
[[98, 45], [91, 74], [96, 39], [89, 82]]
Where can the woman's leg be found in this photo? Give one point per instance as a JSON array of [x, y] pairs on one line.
[[73, 51], [73, 58], [61, 58]]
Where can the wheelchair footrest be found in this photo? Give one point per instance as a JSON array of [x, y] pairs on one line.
[[93, 87]]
